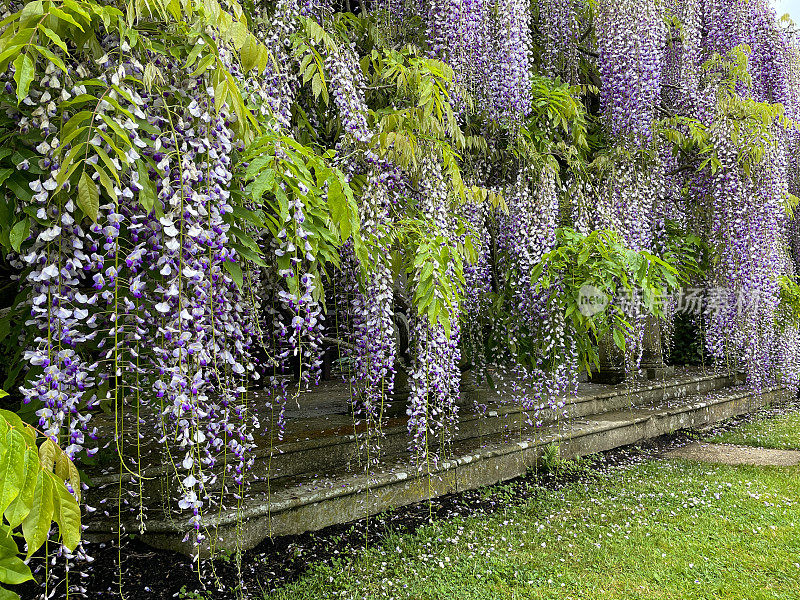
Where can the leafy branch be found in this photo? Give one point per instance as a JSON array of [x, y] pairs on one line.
[[33, 495]]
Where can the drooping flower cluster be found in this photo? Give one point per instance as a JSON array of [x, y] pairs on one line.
[[537, 327], [741, 324], [372, 310], [348, 93], [681, 71], [631, 37], [724, 26], [559, 24], [477, 287], [489, 48], [435, 377], [279, 82]]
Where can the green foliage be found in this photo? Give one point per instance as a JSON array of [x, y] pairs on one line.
[[550, 460], [557, 124], [188, 594], [752, 124], [309, 38], [280, 171], [410, 110], [435, 263], [789, 308], [600, 262], [33, 495], [422, 86], [16, 214], [415, 115], [687, 252], [727, 72]]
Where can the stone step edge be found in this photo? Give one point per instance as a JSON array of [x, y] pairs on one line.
[[180, 526], [726, 379]]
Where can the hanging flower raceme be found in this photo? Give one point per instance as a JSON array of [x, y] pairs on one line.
[[204, 324], [477, 288], [538, 380], [373, 303], [513, 81], [347, 83], [489, 49], [749, 224], [64, 261], [682, 60], [435, 376], [724, 26], [278, 84], [631, 38], [303, 335], [559, 25]]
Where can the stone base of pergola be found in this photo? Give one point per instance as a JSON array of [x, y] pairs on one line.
[[317, 476]]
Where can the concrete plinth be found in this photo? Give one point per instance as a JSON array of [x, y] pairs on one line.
[[611, 370], [652, 362]]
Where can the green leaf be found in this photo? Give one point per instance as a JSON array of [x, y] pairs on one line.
[[88, 197], [204, 63], [105, 181], [48, 55], [8, 546], [12, 462], [17, 511], [264, 183], [10, 51], [64, 16], [619, 339], [48, 452], [19, 233], [220, 94], [316, 85], [36, 525], [8, 594], [246, 214], [116, 128], [147, 195], [249, 54], [54, 37], [235, 272], [337, 204], [23, 75], [13, 571], [245, 252], [32, 10], [241, 237], [67, 515]]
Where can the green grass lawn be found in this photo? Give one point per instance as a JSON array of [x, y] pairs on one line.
[[652, 529], [781, 432]]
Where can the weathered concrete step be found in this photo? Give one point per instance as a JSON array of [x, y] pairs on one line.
[[305, 504], [337, 446], [325, 452]]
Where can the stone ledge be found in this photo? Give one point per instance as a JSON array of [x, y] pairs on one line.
[[338, 449], [351, 497]]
